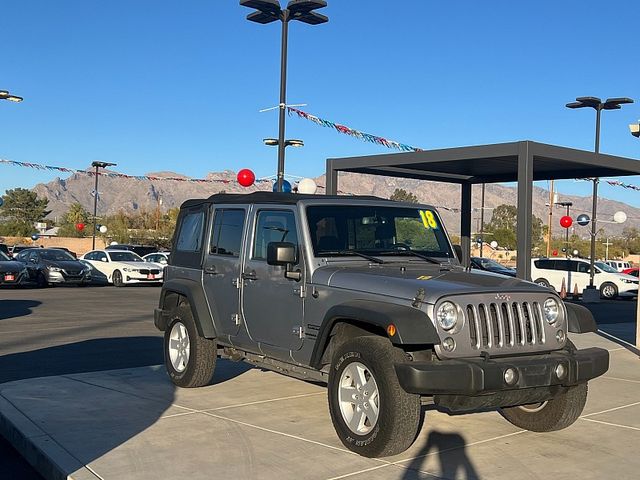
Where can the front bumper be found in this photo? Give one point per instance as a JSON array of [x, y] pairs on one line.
[[476, 376], [63, 277]]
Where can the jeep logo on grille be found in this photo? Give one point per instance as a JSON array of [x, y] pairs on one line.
[[503, 297]]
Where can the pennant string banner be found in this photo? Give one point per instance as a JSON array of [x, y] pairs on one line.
[[367, 137], [615, 183]]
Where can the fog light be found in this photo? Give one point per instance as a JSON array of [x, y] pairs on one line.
[[560, 337], [561, 372], [510, 376], [449, 344]]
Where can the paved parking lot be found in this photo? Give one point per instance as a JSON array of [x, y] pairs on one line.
[[250, 423]]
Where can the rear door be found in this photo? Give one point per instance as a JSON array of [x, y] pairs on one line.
[[272, 306], [222, 268]]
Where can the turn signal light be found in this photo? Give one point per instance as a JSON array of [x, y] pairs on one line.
[[391, 330]]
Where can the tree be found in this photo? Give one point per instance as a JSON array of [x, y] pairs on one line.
[[401, 195], [503, 227], [76, 214], [21, 210]]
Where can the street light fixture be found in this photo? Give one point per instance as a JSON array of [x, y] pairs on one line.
[[4, 95], [97, 165], [634, 128], [273, 142], [268, 11], [598, 105]]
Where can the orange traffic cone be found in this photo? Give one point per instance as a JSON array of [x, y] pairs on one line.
[[563, 290], [576, 295]]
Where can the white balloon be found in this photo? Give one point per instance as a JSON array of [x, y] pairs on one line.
[[113, 243], [620, 217], [103, 229], [494, 244], [575, 253], [307, 185]]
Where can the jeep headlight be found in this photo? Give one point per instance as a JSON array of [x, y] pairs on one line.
[[447, 315], [551, 310]]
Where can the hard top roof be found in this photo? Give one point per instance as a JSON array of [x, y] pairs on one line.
[[273, 197]]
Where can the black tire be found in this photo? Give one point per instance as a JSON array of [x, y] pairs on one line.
[[201, 358], [399, 413], [555, 414], [116, 278], [543, 282], [41, 280], [608, 291]]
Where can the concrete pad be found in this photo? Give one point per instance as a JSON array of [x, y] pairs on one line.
[[251, 423]]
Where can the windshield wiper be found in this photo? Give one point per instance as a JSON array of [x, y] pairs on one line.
[[352, 252], [419, 255]]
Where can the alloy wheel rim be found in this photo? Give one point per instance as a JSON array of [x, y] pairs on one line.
[[608, 291], [179, 347], [358, 398]]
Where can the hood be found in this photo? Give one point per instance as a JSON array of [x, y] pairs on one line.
[[11, 266], [392, 280]]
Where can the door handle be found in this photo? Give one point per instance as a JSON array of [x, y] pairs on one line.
[[211, 270], [249, 275]]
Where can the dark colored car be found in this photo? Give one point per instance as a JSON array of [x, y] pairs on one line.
[[4, 249], [16, 249], [488, 265], [12, 272], [141, 250], [48, 266]]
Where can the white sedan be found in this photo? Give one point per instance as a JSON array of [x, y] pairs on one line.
[[123, 267]]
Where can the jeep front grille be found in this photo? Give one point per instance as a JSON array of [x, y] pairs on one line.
[[504, 324]]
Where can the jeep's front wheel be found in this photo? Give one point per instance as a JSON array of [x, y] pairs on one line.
[[555, 414], [190, 359], [371, 413]]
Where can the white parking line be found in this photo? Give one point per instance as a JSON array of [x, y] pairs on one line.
[[611, 424], [602, 332], [610, 410], [620, 379]]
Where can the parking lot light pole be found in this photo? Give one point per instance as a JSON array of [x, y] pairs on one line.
[[598, 105], [97, 165], [268, 11], [566, 236], [5, 95]]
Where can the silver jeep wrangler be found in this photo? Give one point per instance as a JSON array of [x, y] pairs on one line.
[[367, 295]]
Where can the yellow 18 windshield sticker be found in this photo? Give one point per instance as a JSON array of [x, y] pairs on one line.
[[428, 219]]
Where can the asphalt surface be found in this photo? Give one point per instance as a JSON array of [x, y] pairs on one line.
[[60, 330], [67, 330]]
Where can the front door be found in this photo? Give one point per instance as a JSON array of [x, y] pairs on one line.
[[222, 268], [271, 304]]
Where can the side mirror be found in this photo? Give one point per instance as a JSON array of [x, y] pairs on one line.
[[33, 260], [104, 260], [284, 254]]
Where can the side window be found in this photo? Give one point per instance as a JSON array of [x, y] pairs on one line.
[[227, 232], [583, 267], [544, 264], [190, 236], [33, 256], [273, 226], [90, 256]]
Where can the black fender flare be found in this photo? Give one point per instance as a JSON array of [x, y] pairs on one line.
[[413, 326], [580, 319], [194, 293]]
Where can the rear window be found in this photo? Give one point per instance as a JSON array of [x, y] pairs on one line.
[[190, 236], [227, 232]]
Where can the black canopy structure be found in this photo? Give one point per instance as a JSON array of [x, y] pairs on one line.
[[523, 162]]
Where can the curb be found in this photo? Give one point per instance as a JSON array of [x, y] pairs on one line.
[[41, 451]]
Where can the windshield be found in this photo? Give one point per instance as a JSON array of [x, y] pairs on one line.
[[488, 263], [376, 230], [55, 255], [125, 257], [606, 268], [3, 257]]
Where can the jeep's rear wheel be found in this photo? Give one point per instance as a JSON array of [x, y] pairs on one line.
[[555, 414], [371, 413], [190, 359]]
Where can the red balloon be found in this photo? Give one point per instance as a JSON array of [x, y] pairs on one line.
[[555, 253], [246, 177], [566, 221], [79, 226]]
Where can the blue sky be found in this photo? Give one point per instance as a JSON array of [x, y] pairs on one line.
[[156, 85]]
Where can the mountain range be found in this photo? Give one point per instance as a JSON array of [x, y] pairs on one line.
[[132, 195]]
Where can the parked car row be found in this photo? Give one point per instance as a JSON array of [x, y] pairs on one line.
[[41, 267]]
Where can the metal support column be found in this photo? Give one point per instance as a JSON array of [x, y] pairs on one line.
[[465, 224], [331, 179], [525, 208]]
